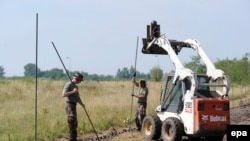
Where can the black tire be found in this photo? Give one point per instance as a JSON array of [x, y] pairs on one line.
[[172, 130], [214, 138], [151, 127]]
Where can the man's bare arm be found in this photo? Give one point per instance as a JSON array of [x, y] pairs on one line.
[[70, 92]]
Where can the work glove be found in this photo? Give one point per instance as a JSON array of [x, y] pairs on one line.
[[134, 74]]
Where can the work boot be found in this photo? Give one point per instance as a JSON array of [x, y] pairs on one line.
[[138, 124]]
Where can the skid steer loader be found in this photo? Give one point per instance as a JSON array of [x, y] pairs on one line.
[[192, 105]]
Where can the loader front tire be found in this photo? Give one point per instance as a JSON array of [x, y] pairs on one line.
[[151, 127], [172, 129]]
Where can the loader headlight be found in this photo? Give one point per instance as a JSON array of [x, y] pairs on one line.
[[226, 107], [201, 107]]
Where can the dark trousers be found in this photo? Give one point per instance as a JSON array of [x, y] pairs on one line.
[[72, 121], [140, 114]]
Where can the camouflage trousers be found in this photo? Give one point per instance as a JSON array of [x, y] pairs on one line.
[[72, 121], [140, 114]]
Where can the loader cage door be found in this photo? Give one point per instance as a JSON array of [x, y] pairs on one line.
[[206, 88], [172, 96]]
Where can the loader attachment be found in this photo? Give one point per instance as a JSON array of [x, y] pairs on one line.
[[153, 33], [156, 49]]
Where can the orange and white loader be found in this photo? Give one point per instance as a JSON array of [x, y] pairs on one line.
[[192, 105]]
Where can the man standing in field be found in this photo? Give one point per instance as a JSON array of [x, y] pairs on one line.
[[71, 95], [141, 103]]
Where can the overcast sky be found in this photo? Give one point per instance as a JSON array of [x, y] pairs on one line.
[[99, 36]]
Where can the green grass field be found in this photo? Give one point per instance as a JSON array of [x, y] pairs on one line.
[[108, 105]]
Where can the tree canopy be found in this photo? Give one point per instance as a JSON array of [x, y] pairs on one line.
[[156, 73], [238, 70], [196, 65], [2, 72]]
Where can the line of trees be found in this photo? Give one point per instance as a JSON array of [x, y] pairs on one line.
[[237, 69], [156, 74]]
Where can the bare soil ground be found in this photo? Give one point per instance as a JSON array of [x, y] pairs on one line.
[[238, 115]]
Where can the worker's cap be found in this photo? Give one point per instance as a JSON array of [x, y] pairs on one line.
[[143, 81], [78, 76]]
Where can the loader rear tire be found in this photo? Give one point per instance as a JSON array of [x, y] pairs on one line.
[[151, 127], [172, 129], [215, 138]]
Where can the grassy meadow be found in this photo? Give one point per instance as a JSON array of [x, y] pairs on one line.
[[108, 105]]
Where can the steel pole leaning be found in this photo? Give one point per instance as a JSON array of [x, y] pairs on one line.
[[61, 61], [131, 107], [91, 123], [71, 81]]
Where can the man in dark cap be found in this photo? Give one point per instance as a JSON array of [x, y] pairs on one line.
[[141, 103], [71, 95]]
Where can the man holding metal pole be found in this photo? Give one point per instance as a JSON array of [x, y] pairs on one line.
[[141, 102], [71, 95]]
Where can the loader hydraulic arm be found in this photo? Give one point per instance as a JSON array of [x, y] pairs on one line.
[[164, 43], [212, 72], [159, 44]]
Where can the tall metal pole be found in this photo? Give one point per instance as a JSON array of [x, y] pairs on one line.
[[131, 107], [36, 76]]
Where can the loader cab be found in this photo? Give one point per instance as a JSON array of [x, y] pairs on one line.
[[173, 93], [206, 88]]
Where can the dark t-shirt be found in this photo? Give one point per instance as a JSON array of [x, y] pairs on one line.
[[74, 98], [143, 92]]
